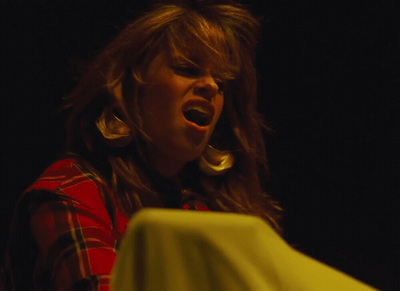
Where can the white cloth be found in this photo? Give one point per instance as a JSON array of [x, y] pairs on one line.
[[193, 250]]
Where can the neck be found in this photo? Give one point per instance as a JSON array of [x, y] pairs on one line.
[[166, 166]]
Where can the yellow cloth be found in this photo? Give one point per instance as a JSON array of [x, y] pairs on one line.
[[192, 250]]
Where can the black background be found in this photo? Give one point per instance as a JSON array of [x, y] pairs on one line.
[[329, 86]]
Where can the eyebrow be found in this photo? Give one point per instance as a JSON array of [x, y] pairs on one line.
[[194, 60], [199, 62]]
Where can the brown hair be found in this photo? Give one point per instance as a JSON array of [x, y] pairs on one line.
[[224, 34]]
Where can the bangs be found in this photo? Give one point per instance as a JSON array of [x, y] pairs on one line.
[[199, 40]]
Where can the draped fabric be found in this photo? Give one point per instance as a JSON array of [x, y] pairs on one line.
[[178, 250]]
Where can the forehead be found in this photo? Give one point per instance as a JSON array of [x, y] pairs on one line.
[[201, 42], [166, 60]]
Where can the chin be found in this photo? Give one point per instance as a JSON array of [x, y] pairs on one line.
[[192, 155], [190, 152]]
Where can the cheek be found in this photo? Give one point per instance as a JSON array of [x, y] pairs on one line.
[[158, 108], [148, 108]]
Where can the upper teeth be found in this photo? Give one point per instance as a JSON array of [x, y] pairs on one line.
[[198, 108]]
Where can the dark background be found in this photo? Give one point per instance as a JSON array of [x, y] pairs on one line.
[[329, 86]]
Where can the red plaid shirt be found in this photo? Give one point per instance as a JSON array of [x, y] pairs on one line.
[[75, 228]]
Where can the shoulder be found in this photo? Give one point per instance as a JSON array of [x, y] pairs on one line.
[[74, 181], [70, 177]]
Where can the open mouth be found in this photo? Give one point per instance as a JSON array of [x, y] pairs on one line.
[[198, 115]]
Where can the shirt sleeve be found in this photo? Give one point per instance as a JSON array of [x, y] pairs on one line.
[[76, 245]]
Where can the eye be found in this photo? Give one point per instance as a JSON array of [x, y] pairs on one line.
[[186, 70], [221, 85]]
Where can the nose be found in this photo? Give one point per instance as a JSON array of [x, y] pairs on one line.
[[206, 87]]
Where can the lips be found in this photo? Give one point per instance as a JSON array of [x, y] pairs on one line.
[[199, 112]]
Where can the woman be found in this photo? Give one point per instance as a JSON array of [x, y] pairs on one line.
[[164, 117]]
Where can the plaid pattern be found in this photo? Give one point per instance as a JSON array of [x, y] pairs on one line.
[[75, 227]]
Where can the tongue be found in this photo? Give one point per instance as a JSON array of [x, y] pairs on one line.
[[200, 118]]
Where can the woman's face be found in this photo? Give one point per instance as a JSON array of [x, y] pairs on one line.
[[180, 107]]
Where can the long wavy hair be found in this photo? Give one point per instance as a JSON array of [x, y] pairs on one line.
[[225, 35]]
